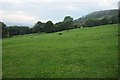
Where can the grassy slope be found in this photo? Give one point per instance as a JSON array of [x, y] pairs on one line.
[[87, 52]]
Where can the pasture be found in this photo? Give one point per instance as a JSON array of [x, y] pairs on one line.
[[78, 53]]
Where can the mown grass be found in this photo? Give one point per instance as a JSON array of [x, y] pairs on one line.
[[78, 53]]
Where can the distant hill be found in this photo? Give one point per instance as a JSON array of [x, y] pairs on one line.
[[98, 14]]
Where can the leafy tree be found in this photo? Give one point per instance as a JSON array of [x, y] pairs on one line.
[[68, 18], [14, 30], [67, 22], [49, 27], [19, 30], [92, 22], [38, 27], [104, 20], [59, 26], [114, 19], [5, 32], [24, 30]]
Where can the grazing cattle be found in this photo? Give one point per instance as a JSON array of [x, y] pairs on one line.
[[60, 33]]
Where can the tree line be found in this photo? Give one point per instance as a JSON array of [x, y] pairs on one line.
[[49, 27]]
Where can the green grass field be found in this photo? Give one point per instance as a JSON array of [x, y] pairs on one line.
[[78, 53]]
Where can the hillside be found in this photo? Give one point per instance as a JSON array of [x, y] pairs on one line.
[[78, 53], [99, 14]]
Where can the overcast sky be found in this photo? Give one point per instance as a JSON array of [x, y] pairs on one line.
[[28, 12]]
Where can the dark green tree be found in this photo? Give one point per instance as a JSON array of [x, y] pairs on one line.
[[67, 22], [49, 27], [19, 30], [105, 20], [38, 27], [5, 31], [114, 19], [92, 22], [68, 18]]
